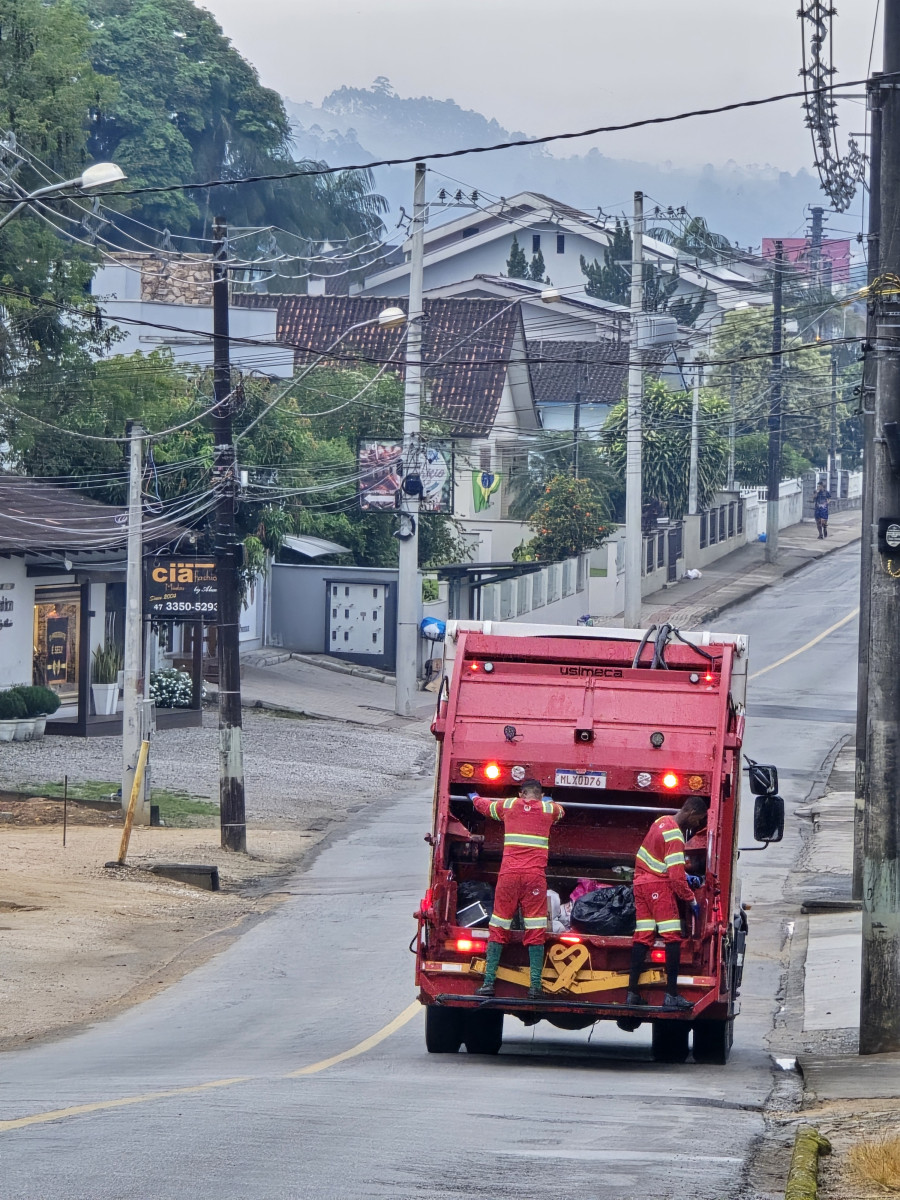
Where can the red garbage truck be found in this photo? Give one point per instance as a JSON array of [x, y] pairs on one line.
[[619, 726]]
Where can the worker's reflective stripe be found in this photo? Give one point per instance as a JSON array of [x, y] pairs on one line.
[[526, 839], [535, 922], [668, 926], [645, 926], [673, 835], [651, 863], [493, 811], [548, 806], [509, 803], [501, 922], [674, 858]]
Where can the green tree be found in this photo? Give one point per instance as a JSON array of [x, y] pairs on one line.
[[695, 239], [538, 269], [751, 460], [570, 517], [611, 280], [666, 445], [517, 263]]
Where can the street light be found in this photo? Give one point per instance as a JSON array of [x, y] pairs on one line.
[[92, 177]]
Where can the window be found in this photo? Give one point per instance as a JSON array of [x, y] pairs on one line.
[[703, 531], [470, 231], [560, 243], [535, 243]]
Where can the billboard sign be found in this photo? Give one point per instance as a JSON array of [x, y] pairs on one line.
[[180, 589], [380, 472]]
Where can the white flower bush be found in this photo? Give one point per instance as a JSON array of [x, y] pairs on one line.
[[171, 688]]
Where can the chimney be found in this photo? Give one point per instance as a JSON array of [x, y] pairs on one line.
[[315, 287]]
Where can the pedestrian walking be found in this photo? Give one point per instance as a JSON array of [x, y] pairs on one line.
[[659, 882], [527, 821], [820, 509]]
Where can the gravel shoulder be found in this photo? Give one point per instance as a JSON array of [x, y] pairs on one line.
[[80, 941]]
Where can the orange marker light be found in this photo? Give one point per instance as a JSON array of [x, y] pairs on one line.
[[492, 771], [473, 666], [670, 780], [570, 939]]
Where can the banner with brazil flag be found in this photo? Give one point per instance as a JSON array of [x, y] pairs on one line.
[[484, 484]]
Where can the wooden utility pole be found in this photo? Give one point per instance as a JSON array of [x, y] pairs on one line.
[[775, 410], [867, 400], [634, 541], [232, 816], [879, 1017]]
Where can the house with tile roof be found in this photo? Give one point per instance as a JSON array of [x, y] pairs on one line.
[[476, 380], [479, 243]]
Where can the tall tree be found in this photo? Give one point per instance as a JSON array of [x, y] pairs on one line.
[[695, 238], [538, 269], [517, 263], [611, 280]]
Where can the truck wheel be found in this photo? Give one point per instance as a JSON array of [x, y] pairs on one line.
[[670, 1041], [443, 1030], [712, 1040], [483, 1032]]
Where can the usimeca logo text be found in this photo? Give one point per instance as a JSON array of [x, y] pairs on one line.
[[597, 672]]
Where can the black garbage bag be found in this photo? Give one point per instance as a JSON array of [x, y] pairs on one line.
[[474, 902], [608, 912]]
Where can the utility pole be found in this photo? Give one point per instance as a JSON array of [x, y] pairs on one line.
[[633, 478], [867, 399], [576, 425], [775, 411], [832, 449], [694, 475], [879, 1017], [232, 817], [132, 694], [409, 601], [732, 434], [815, 245]]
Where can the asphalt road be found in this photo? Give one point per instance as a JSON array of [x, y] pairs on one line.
[[236, 1083]]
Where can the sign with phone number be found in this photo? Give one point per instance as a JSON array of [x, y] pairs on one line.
[[180, 589]]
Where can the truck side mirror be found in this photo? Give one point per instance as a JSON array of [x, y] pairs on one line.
[[763, 779], [768, 818]]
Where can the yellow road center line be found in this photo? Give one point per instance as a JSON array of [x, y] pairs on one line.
[[809, 645], [79, 1110], [361, 1047]]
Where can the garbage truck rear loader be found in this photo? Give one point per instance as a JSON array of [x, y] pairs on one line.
[[619, 727]]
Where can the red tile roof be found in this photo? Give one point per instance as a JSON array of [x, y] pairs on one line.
[[466, 346]]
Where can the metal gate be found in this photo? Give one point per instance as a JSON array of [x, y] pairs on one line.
[[359, 622]]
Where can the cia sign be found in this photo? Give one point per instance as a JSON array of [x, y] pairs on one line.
[[180, 589], [889, 535]]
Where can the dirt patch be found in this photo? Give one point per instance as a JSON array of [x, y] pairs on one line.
[[80, 941], [845, 1124], [48, 810]]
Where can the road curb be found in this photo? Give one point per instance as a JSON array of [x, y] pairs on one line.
[[803, 1176]]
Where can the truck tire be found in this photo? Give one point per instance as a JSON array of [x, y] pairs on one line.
[[483, 1032], [443, 1029], [712, 1040], [670, 1041]]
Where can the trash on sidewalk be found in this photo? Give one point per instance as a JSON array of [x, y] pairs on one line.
[[692, 573]]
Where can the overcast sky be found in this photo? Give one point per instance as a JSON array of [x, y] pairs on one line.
[[545, 66]]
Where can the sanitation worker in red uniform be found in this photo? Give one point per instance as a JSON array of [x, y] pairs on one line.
[[659, 882], [527, 820]]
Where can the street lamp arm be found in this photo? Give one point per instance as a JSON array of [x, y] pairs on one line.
[[94, 176]]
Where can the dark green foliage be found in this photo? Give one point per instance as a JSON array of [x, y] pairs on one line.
[[666, 445], [517, 263], [695, 239], [612, 280], [12, 705], [538, 270], [751, 460], [570, 517], [37, 700], [686, 309]]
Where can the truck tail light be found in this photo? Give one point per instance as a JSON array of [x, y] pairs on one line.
[[428, 901], [670, 780], [492, 770], [570, 939], [473, 666], [466, 946], [658, 956]]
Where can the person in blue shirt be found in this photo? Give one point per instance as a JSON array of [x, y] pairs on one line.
[[820, 510]]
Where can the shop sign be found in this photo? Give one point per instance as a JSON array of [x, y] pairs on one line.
[[57, 650], [180, 589]]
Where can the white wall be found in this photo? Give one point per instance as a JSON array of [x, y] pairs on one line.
[[16, 639]]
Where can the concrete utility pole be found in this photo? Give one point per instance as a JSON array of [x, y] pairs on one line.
[[409, 601], [732, 434], [867, 399], [832, 449], [815, 245], [633, 479], [879, 1016], [775, 410], [132, 695], [694, 475], [232, 818]]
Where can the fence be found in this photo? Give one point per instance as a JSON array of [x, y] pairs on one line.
[[558, 592]]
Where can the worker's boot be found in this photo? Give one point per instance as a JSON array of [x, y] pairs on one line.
[[491, 963], [536, 963], [634, 999], [672, 1001]]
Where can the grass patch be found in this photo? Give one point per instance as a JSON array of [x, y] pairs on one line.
[[599, 572], [176, 809], [877, 1160]]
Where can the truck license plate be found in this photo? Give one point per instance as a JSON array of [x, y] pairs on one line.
[[583, 779]]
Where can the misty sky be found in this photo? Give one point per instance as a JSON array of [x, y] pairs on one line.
[[545, 66]]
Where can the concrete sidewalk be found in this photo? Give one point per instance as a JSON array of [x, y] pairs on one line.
[[737, 576], [832, 1068]]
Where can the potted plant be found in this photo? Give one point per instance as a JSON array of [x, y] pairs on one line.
[[12, 709], [40, 702], [106, 662], [171, 688]]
